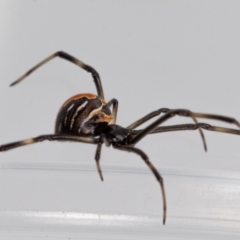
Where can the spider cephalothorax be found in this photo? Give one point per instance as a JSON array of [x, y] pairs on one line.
[[87, 118]]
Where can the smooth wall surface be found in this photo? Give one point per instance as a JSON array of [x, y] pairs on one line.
[[150, 54]]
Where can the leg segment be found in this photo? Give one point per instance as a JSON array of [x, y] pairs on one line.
[[157, 113], [97, 158], [72, 59], [148, 117], [154, 171], [49, 137], [204, 126], [114, 103], [180, 112]]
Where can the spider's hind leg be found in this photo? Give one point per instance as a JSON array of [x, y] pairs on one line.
[[71, 59], [49, 137]]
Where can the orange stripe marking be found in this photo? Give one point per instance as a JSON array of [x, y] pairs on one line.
[[81, 95]]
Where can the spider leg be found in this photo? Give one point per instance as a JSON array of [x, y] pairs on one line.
[[111, 103], [201, 134], [114, 103], [154, 171], [148, 117], [231, 120], [204, 126], [180, 112], [49, 137], [72, 59], [157, 113], [97, 158], [171, 128]]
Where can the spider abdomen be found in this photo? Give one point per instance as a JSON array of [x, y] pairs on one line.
[[82, 115]]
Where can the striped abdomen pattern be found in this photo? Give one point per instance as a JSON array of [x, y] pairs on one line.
[[82, 115]]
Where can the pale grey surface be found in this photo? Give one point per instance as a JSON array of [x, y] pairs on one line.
[[150, 54]]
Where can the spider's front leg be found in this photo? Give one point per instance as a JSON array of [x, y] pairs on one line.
[[157, 113], [153, 128], [204, 126], [152, 168]]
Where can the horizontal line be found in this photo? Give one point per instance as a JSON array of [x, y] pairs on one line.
[[177, 172]]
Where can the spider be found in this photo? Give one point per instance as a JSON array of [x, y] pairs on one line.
[[87, 118]]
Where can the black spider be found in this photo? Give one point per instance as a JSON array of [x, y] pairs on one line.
[[87, 118]]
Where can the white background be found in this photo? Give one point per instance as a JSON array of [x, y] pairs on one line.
[[150, 54]]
